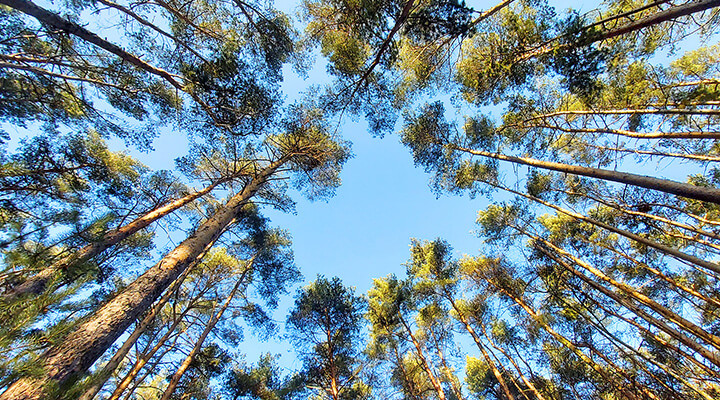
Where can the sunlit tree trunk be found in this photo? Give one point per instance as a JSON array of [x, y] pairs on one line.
[[107, 370], [644, 359], [670, 14], [709, 355], [148, 355], [560, 338], [713, 267], [536, 393], [425, 364], [481, 347]]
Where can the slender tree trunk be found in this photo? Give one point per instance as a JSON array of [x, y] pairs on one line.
[[658, 218], [560, 338], [620, 345], [481, 347], [711, 266], [688, 326], [426, 366], [710, 195], [67, 361], [631, 134], [679, 288], [694, 360], [38, 283], [150, 368], [694, 157], [692, 344], [662, 16], [51, 19], [449, 374], [408, 381], [142, 360], [175, 379], [334, 387], [527, 382]]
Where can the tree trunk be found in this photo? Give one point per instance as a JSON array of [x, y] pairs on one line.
[[51, 19], [208, 328], [711, 266], [710, 195], [38, 283], [426, 366], [649, 333], [527, 382], [644, 22], [143, 360], [692, 344], [71, 358], [478, 343], [103, 375], [620, 344], [560, 338], [630, 291], [408, 381]]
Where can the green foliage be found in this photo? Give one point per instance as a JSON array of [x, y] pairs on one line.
[[492, 62], [438, 19], [263, 381], [324, 326]]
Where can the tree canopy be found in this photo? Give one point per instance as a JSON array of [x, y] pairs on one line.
[[593, 135]]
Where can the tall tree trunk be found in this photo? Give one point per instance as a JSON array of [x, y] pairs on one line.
[[649, 333], [711, 266], [142, 360], [498, 375], [405, 377], [150, 369], [631, 292], [107, 370], [71, 358], [527, 382], [175, 379], [562, 339], [51, 19], [710, 195], [621, 345], [38, 283], [449, 373]]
